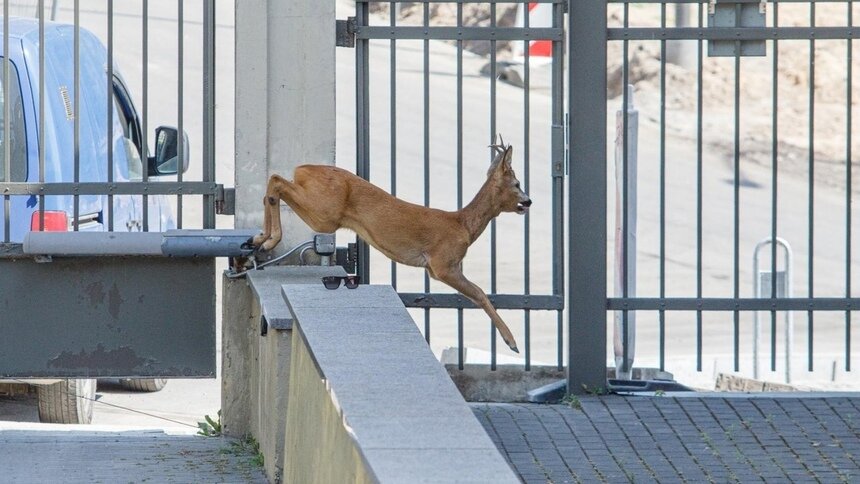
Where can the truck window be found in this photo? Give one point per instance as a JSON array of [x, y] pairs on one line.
[[17, 130]]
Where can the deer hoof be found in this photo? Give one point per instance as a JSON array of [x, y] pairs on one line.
[[258, 240], [269, 245]]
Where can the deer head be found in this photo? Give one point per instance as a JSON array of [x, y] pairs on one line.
[[508, 195]]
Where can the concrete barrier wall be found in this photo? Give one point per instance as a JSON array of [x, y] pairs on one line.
[[376, 404], [319, 447], [340, 386], [256, 366]]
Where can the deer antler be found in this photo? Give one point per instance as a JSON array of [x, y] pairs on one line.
[[499, 148]]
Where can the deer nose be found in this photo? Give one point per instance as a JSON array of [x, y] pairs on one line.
[[527, 203]]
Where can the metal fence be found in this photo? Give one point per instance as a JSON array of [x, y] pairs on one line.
[[77, 137], [749, 140], [452, 156]]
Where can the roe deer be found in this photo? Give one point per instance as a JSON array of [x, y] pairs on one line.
[[328, 198]]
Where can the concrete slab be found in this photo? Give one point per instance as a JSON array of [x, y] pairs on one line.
[[405, 415], [266, 285], [34, 453]]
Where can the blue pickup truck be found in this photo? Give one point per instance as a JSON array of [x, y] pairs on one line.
[[59, 400]]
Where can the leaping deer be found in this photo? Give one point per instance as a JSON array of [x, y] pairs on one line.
[[328, 198]]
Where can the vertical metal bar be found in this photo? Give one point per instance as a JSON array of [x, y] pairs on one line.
[[774, 191], [848, 161], [392, 127], [208, 109], [737, 192], [7, 132], [493, 132], [587, 196], [662, 314], [110, 110], [460, 342], [76, 87], [180, 80], [699, 196], [41, 111], [526, 223], [559, 161], [145, 109], [811, 257], [624, 200], [426, 151], [362, 125]]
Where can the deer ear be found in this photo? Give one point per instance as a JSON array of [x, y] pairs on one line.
[[507, 157]]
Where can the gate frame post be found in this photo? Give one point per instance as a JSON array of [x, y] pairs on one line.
[[587, 311], [285, 116]]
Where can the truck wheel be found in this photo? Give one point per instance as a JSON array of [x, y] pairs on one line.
[[143, 384], [67, 402]]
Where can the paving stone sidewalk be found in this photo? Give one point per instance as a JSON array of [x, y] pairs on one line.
[[685, 439], [38, 456]]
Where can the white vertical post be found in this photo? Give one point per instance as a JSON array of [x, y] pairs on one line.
[[285, 100], [285, 116], [630, 244]]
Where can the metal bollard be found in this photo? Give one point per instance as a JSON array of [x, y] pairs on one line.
[[762, 287], [624, 361]]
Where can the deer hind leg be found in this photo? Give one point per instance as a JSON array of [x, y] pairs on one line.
[[453, 276], [278, 189], [267, 225]]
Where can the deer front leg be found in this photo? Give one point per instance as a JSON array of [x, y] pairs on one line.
[[453, 276]]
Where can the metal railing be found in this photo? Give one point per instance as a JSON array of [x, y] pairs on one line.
[[67, 165], [774, 161], [538, 151]]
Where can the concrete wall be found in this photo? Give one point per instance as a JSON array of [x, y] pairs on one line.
[[256, 366], [319, 448], [368, 399]]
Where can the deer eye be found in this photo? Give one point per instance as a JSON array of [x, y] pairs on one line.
[[517, 184]]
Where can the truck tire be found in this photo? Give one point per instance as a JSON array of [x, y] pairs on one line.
[[67, 402], [143, 384]]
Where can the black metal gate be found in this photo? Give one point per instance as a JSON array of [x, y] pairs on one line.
[[751, 140], [449, 136]]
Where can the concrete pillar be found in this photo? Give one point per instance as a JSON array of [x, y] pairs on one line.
[[285, 116], [285, 100]]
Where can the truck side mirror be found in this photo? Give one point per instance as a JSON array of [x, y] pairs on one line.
[[166, 161]]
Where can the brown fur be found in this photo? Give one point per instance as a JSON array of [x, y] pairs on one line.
[[328, 198]]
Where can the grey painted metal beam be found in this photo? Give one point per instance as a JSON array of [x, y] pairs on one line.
[[463, 1], [587, 196], [733, 1], [93, 243], [731, 304], [733, 33], [500, 301], [173, 243], [459, 33], [123, 188]]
